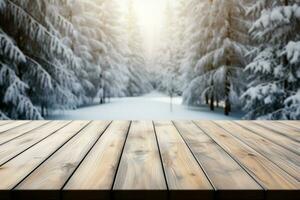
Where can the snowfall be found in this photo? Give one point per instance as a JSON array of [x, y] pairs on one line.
[[153, 106]]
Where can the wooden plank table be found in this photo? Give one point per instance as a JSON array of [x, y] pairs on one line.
[[226, 160]]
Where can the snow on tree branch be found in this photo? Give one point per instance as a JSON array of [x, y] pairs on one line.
[[39, 33], [9, 50], [278, 18], [292, 51]]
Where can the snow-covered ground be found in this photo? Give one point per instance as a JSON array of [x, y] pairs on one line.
[[153, 106]]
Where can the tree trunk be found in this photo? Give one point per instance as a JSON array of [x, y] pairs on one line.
[[206, 99], [227, 108], [104, 94], [43, 110], [212, 101], [286, 2]]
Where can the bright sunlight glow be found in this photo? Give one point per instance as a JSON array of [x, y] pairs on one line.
[[150, 15]]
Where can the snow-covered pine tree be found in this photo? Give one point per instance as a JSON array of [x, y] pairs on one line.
[[139, 80], [195, 44], [222, 46], [37, 28], [255, 8], [87, 44], [183, 17], [13, 100], [169, 63], [275, 75], [115, 73]]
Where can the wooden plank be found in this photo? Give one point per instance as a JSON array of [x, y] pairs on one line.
[[182, 170], [295, 124], [105, 155], [288, 131], [269, 175], [17, 169], [55, 171], [20, 144], [140, 167], [20, 130], [3, 122], [225, 174], [102, 160], [287, 160], [270, 135], [9, 126]]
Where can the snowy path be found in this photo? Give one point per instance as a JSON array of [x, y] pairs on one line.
[[153, 106]]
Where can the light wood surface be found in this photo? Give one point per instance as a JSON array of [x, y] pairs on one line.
[[14, 171], [56, 170], [20, 130], [295, 124], [20, 144], [7, 126], [222, 170], [284, 158], [213, 160], [5, 122], [279, 139], [281, 128], [181, 168], [269, 175], [140, 156], [98, 169]]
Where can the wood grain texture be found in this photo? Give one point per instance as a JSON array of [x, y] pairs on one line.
[[140, 156], [5, 122], [18, 145], [280, 128], [8, 126], [181, 169], [295, 124], [221, 169], [98, 169], [270, 135], [287, 160], [17, 169], [220, 160], [56, 170], [269, 175], [20, 130]]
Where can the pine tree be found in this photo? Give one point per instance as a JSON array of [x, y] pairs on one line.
[[37, 28], [274, 89], [139, 80], [13, 100], [169, 64], [196, 37], [115, 72], [218, 53], [87, 45]]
